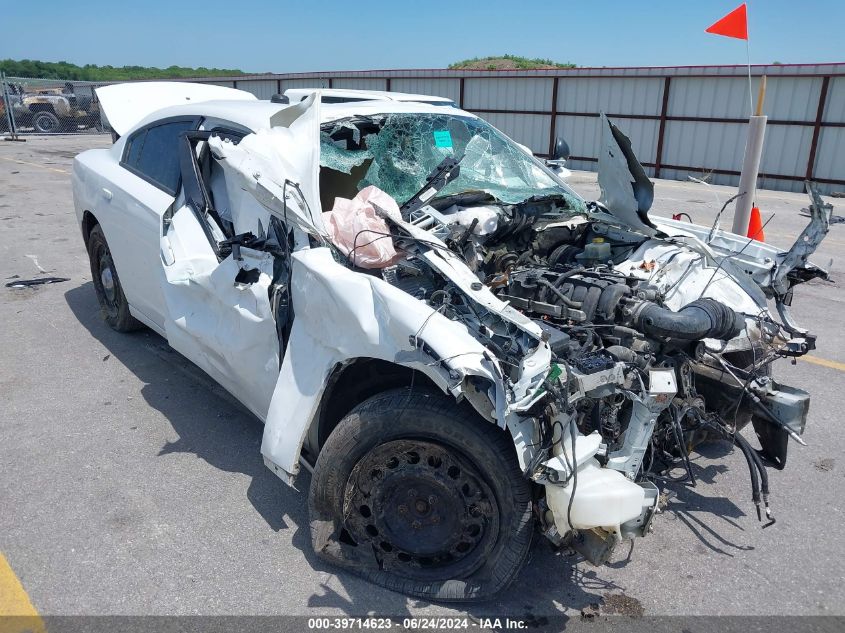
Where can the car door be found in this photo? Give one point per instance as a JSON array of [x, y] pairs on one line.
[[142, 189], [217, 286]]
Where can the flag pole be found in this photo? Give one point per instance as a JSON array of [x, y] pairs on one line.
[[745, 203], [750, 89]]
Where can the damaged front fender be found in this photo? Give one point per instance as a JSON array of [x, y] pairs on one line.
[[342, 316]]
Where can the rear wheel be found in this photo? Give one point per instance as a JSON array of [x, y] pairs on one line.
[[419, 495], [45, 122], [113, 304]]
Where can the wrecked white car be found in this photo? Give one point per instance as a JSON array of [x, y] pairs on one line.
[[459, 347]]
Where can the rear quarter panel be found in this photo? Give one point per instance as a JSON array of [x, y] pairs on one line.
[[131, 229]]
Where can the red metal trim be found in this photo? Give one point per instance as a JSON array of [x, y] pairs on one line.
[[811, 161], [553, 123], [661, 130]]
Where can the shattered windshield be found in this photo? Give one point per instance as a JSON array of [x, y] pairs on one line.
[[397, 152]]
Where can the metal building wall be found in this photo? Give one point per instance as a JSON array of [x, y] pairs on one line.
[[682, 121]]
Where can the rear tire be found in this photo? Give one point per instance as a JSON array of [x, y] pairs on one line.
[[46, 122], [113, 304], [419, 495]]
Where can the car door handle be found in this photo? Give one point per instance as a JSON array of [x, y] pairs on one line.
[[108, 195]]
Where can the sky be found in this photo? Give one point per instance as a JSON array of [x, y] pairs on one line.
[[282, 36]]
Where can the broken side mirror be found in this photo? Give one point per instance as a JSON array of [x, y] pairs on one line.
[[560, 151], [560, 154]]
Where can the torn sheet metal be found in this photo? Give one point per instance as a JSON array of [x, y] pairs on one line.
[[626, 191], [741, 257], [223, 325], [279, 165], [807, 242]]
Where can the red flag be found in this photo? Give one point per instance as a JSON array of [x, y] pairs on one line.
[[734, 24]]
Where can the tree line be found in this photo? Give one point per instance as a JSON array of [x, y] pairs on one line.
[[92, 72]]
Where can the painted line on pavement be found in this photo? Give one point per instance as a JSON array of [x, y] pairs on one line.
[[831, 364], [23, 162], [17, 614]]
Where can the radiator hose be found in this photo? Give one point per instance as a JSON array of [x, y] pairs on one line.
[[703, 318]]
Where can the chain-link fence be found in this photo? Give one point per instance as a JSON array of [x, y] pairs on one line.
[[49, 106]]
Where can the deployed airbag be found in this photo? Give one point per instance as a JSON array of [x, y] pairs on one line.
[[357, 229]]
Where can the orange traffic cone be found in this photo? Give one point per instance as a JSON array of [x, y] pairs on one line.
[[755, 226]]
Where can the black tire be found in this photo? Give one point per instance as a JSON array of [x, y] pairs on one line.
[[46, 122], [421, 496], [113, 304]]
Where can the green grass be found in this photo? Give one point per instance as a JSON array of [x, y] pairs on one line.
[[92, 72], [522, 63]]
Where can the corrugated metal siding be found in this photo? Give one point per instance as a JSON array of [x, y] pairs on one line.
[[360, 84], [617, 96], [710, 97], [835, 110], [786, 149], [696, 144], [304, 83], [508, 94], [689, 147], [261, 88], [829, 160], [583, 134], [531, 130]]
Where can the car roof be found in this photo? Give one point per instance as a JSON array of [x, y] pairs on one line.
[[377, 95], [255, 115]]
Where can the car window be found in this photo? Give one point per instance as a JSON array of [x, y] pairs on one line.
[[153, 154], [133, 150]]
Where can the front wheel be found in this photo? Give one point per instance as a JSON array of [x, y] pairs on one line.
[[419, 495]]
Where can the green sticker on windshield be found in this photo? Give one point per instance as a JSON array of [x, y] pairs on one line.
[[442, 138]]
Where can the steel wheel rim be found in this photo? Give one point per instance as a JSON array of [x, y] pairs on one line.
[[105, 280], [422, 508]]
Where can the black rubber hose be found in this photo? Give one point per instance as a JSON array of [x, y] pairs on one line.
[[746, 449], [703, 318], [764, 484], [563, 298], [566, 275], [627, 355]]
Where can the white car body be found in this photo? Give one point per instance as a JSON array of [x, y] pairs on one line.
[[340, 95], [176, 284]]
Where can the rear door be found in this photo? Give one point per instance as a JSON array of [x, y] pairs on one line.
[[140, 193]]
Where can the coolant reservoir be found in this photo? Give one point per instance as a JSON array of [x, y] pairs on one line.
[[603, 498], [595, 253]]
